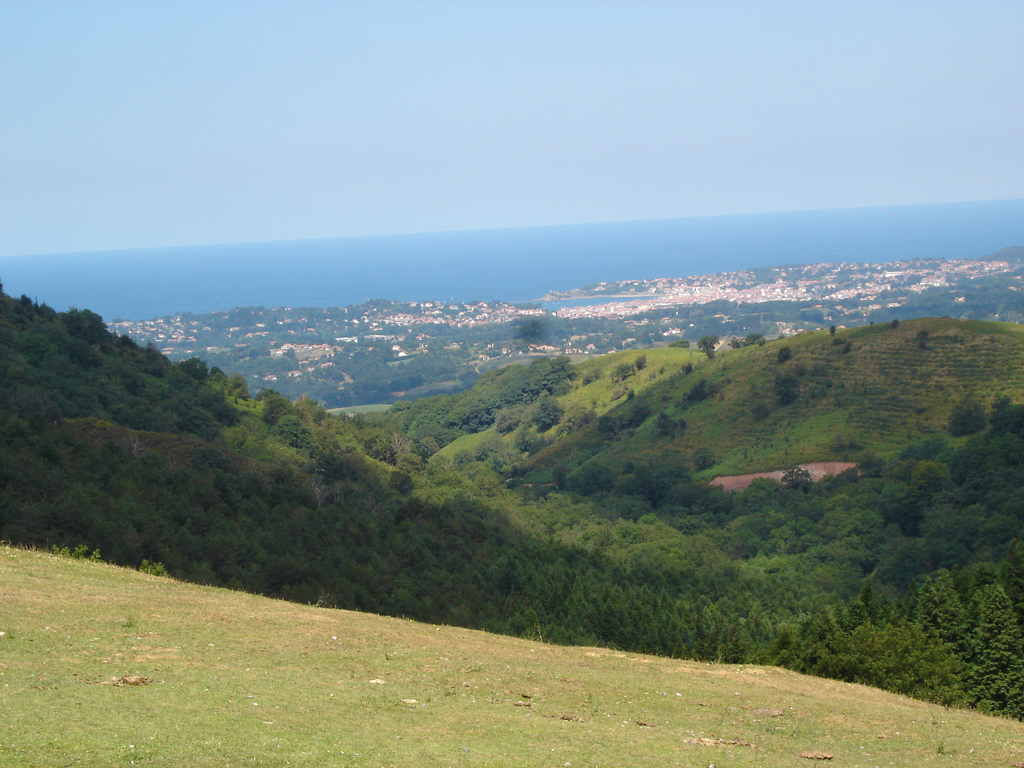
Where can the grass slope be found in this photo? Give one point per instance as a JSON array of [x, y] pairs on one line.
[[599, 388], [233, 679], [873, 389]]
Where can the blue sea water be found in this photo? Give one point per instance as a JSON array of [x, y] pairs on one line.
[[510, 264]]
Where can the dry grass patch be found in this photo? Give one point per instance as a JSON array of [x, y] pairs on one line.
[[233, 679]]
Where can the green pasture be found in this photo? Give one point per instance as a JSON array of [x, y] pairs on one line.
[[103, 666]]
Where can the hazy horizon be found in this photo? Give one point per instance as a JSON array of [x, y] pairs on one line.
[[520, 264], [498, 230]]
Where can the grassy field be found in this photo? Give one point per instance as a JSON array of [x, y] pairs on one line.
[[104, 666], [352, 410]]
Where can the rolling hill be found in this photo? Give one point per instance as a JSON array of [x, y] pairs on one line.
[[857, 393], [567, 504]]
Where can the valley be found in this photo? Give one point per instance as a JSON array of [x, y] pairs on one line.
[[558, 385], [568, 503]]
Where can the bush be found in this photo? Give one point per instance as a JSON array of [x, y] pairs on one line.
[[153, 569], [81, 552], [704, 458], [702, 390]]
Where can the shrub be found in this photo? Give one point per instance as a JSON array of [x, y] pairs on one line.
[[702, 390], [153, 569], [704, 458], [81, 552]]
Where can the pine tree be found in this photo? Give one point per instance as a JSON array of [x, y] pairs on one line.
[[941, 614], [1011, 574], [995, 676]]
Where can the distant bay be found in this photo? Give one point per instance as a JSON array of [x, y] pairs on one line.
[[509, 264]]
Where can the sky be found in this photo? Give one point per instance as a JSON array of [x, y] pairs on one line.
[[154, 123]]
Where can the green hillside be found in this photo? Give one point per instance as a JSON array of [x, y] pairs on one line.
[[860, 393], [561, 503], [104, 666]]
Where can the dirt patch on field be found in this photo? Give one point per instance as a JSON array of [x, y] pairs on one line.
[[817, 469]]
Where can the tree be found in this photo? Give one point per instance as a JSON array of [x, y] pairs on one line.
[[590, 478], [797, 479], [787, 387], [707, 345], [996, 670], [1011, 574], [85, 325], [274, 405], [622, 371], [194, 368], [968, 417], [941, 614], [898, 656], [508, 419], [548, 414]]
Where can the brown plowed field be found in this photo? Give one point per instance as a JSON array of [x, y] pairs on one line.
[[818, 470]]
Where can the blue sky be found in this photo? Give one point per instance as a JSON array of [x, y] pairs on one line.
[[138, 124]]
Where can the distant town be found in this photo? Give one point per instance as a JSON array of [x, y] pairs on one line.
[[383, 350], [843, 286]]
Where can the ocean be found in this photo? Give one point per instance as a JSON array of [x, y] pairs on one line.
[[515, 265]]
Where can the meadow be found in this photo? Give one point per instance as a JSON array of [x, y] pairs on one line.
[[101, 665]]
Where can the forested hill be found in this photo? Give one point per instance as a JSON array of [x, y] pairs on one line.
[[67, 365], [110, 449]]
